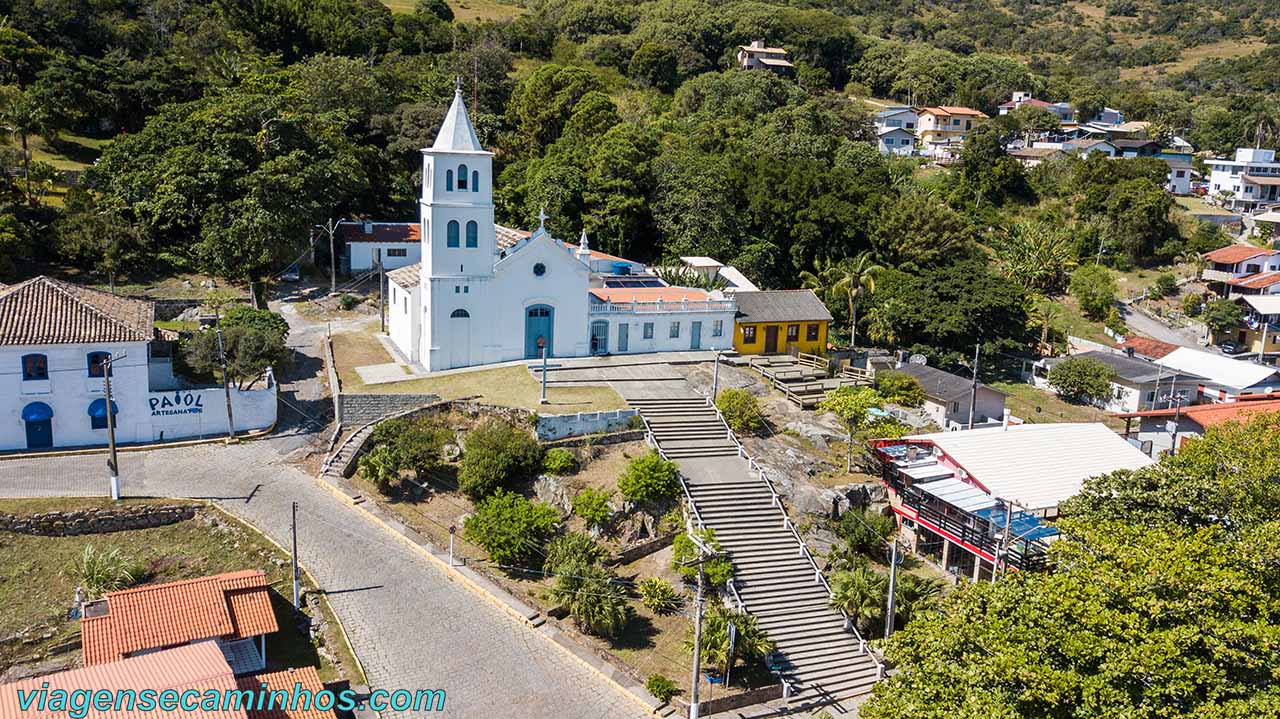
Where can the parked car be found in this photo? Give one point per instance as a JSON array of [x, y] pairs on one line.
[[292, 273], [1230, 347]]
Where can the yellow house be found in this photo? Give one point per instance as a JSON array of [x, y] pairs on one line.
[[778, 321], [948, 124]]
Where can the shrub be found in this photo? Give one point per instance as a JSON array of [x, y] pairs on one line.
[[1081, 379], [658, 595], [348, 302], [684, 552], [496, 453], [570, 548], [865, 531], [1165, 285], [1223, 315], [649, 478], [381, 467], [511, 528], [417, 443], [559, 461], [741, 410], [593, 506], [660, 687], [99, 572], [594, 597], [752, 644], [900, 388], [1094, 287], [1192, 305]]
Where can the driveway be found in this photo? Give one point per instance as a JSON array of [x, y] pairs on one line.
[[1155, 329], [410, 625]]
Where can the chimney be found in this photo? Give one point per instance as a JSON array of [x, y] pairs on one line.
[[1007, 414]]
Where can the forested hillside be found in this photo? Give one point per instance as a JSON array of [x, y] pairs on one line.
[[214, 135]]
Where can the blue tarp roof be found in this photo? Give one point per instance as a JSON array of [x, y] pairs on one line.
[[1025, 526]]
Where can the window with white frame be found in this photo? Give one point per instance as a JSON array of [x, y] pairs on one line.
[[648, 330], [675, 330], [717, 328]]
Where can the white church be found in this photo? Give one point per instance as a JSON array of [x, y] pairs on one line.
[[483, 293]]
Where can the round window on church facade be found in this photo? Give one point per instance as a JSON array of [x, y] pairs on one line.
[[539, 269]]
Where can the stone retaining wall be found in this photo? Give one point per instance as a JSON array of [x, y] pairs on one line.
[[644, 549], [97, 520], [357, 409]]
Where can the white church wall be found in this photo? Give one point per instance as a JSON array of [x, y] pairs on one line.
[[661, 322], [401, 317]]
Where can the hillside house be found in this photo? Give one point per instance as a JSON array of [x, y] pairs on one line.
[[895, 141], [1062, 110], [1225, 379], [1228, 266], [1163, 429], [947, 397], [1137, 385], [947, 125], [1247, 183], [758, 56]]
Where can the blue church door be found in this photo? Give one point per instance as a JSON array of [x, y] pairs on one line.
[[40, 434], [539, 325]]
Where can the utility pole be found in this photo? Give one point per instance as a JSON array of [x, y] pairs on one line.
[[331, 227], [226, 380], [697, 648], [113, 468], [293, 531], [715, 377], [893, 583], [1002, 547], [973, 394]]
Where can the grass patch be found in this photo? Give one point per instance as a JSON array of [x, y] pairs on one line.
[[1071, 320], [1223, 49], [178, 325], [1197, 206], [463, 10], [37, 592], [511, 386], [1024, 399]]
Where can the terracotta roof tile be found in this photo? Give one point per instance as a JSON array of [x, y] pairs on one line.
[[380, 232], [1148, 347], [43, 310], [235, 605], [406, 276], [1207, 415], [285, 680], [1257, 281], [508, 236], [1231, 254], [199, 666]]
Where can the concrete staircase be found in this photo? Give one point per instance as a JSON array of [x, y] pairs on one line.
[[687, 427], [775, 577]]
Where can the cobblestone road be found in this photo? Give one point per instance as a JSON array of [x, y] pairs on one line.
[[411, 626]]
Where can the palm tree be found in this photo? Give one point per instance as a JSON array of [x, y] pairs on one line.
[[913, 596], [852, 278], [860, 593], [1196, 260], [880, 327], [1047, 313]]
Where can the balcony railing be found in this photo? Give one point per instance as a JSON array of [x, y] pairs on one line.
[[662, 307], [1210, 275]]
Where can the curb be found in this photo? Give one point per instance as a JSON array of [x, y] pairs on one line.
[[246, 437], [499, 597]]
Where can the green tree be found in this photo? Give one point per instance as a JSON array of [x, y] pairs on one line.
[[852, 405], [751, 644], [899, 388], [654, 65], [649, 478], [595, 598], [1165, 285], [569, 550], [381, 467], [987, 171], [511, 528], [685, 556], [1036, 254], [1094, 287], [914, 596], [918, 230], [1082, 379], [100, 239], [741, 410], [593, 506], [249, 353], [496, 452], [1223, 315]]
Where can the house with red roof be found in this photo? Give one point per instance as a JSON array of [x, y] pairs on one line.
[[1166, 428], [944, 127], [232, 609], [1241, 269], [1062, 110]]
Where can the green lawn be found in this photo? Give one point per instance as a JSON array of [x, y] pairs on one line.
[[511, 386], [1024, 400], [36, 588], [1197, 206], [1073, 322], [464, 10]]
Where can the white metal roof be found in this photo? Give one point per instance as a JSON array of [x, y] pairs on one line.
[[958, 494], [927, 472], [1269, 216], [1266, 304], [1037, 466], [1224, 371], [738, 282]]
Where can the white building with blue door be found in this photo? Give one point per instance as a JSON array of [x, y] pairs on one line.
[[54, 338], [484, 294]]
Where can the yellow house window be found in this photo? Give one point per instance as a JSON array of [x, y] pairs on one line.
[[793, 333], [811, 333], [748, 335]]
